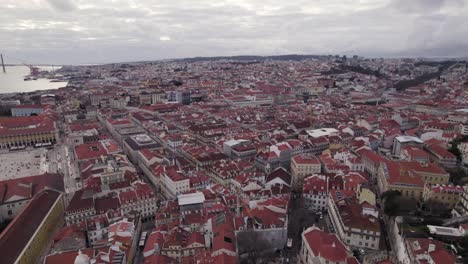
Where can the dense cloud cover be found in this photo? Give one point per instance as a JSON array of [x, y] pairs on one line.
[[90, 31]]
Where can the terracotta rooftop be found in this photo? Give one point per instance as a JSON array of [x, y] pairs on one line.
[[90, 151], [326, 245], [67, 257], [28, 186], [306, 159], [18, 233], [281, 174], [30, 106]]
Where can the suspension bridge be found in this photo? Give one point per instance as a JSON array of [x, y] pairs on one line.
[[34, 68]]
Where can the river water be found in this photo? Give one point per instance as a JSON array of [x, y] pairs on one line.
[[13, 80]]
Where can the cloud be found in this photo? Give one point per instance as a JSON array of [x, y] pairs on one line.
[[418, 6], [86, 31], [62, 5]]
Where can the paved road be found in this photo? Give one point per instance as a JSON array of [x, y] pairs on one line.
[[300, 219], [60, 160], [148, 227], [68, 166]]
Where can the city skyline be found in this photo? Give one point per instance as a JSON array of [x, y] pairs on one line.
[[234, 131], [77, 32]]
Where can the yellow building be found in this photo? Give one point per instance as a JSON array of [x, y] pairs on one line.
[[430, 173], [301, 166], [365, 195], [392, 176], [444, 195], [25, 131]]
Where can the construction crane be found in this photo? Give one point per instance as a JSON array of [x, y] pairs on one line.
[[33, 71]]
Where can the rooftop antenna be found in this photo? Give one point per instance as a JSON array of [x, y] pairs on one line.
[[3, 64]]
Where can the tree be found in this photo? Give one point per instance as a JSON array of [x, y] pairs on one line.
[[252, 244], [454, 146], [437, 208], [177, 83], [457, 175], [390, 194], [390, 200], [454, 149], [462, 247]]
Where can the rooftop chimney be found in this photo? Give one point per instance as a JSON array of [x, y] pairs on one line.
[[431, 248]]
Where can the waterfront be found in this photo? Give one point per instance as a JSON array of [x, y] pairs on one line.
[[13, 81]]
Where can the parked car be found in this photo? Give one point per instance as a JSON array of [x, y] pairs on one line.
[[289, 243]]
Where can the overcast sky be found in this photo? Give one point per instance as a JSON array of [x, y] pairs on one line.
[[96, 31]]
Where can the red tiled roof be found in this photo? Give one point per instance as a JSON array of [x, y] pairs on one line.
[[159, 259], [371, 156], [155, 238], [105, 204], [351, 215], [143, 190], [315, 184], [90, 151], [78, 202], [442, 256], [446, 189], [441, 152], [421, 245], [147, 154], [434, 141], [26, 125], [67, 257], [326, 245], [426, 168], [117, 122], [353, 180], [127, 197], [416, 152], [18, 233], [28, 106], [28, 186], [174, 175], [119, 185], [81, 126], [398, 174], [279, 173], [306, 159]]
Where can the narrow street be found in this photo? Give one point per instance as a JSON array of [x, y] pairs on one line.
[[299, 219]]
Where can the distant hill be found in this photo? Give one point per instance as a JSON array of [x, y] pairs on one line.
[[443, 65], [293, 57]]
